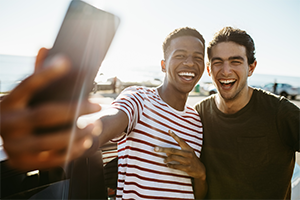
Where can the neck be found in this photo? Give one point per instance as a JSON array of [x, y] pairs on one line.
[[173, 98], [231, 106]]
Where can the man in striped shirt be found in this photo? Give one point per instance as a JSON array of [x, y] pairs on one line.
[[148, 117]]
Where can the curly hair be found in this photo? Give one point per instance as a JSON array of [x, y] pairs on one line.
[[229, 34], [185, 31]]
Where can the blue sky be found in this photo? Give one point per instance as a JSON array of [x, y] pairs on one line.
[[27, 25]]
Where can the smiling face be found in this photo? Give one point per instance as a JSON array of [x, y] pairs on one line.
[[230, 70], [184, 64]]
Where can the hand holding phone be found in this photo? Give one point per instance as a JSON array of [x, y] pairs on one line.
[[84, 38]]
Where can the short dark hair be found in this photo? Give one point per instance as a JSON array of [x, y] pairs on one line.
[[185, 31], [229, 34]]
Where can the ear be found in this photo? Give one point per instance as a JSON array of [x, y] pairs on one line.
[[252, 68], [163, 65], [208, 68]]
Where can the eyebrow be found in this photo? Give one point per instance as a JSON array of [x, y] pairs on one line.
[[184, 51], [236, 58], [230, 58]]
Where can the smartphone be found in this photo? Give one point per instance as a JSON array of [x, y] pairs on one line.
[[84, 37]]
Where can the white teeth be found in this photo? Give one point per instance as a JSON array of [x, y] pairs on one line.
[[186, 74], [226, 81]]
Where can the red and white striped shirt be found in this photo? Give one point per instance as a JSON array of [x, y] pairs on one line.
[[142, 173]]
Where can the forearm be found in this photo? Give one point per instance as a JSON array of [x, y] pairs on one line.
[[200, 188], [112, 126], [109, 127]]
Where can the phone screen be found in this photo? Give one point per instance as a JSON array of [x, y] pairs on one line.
[[84, 37]]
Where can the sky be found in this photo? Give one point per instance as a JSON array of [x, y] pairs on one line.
[[28, 25]]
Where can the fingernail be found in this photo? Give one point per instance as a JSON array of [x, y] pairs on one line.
[[156, 149], [88, 142]]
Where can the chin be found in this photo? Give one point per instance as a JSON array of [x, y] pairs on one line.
[[186, 90], [228, 96]]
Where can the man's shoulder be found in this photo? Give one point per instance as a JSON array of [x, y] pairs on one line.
[[260, 94], [205, 101], [268, 99], [133, 90], [138, 88], [137, 94]]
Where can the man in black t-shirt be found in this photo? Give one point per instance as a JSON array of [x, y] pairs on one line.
[[250, 135]]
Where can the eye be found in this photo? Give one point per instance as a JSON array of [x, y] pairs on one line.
[[199, 58], [179, 56], [217, 63], [236, 62]]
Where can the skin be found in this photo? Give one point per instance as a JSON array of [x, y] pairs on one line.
[[229, 63], [28, 151], [185, 54]]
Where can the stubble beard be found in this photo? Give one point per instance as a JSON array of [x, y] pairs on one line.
[[235, 95]]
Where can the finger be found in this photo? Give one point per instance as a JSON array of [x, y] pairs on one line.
[[47, 159], [44, 160], [61, 113], [19, 97], [179, 167], [178, 159], [46, 115], [181, 142], [54, 142], [194, 169], [172, 151], [40, 58], [15, 122]]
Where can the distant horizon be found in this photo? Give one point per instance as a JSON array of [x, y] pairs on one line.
[[267, 74]]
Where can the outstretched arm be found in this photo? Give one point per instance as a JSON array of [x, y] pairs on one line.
[[188, 162]]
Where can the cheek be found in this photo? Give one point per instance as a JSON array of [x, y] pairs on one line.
[[213, 71], [171, 66], [243, 73], [201, 66]]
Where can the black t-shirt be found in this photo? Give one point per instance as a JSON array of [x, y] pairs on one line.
[[250, 154]]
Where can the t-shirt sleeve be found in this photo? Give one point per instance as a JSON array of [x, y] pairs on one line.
[[131, 102], [288, 120]]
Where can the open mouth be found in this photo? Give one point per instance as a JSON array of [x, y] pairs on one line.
[[187, 75], [227, 83]]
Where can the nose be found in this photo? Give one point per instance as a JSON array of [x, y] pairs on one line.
[[189, 61], [226, 68]]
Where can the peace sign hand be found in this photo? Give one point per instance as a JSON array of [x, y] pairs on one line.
[[187, 162], [185, 157]]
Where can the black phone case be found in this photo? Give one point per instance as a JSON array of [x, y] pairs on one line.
[[84, 37]]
